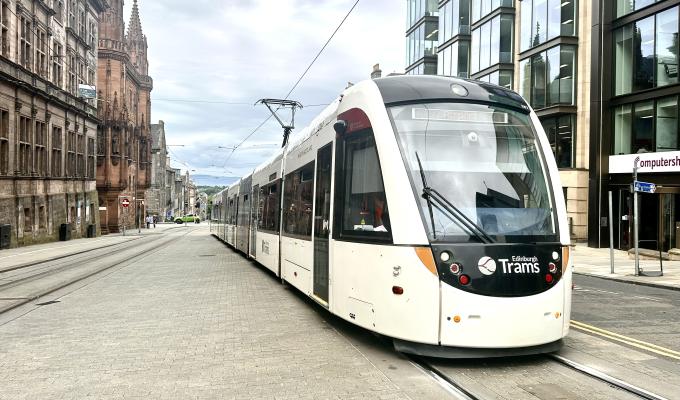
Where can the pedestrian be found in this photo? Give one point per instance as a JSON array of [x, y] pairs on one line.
[[148, 221], [155, 218]]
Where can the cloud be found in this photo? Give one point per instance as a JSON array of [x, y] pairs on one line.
[[238, 51]]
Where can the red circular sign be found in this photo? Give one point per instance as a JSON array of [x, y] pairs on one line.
[[125, 202]]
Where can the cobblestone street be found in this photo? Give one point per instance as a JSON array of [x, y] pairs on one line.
[[192, 320]]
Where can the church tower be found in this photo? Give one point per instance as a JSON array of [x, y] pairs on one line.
[[136, 42], [111, 23]]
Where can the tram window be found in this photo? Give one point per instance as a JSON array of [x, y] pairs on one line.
[[269, 208], [364, 205], [297, 202]]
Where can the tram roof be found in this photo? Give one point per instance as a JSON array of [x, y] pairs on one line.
[[419, 88]]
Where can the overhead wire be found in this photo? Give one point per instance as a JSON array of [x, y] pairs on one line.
[[297, 82]]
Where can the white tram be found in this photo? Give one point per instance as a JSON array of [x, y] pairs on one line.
[[427, 209]]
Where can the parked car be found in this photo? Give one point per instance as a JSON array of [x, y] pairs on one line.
[[188, 218]]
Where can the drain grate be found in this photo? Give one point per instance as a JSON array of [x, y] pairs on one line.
[[47, 303], [206, 255]]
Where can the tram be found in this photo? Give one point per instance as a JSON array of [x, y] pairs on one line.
[[426, 209]]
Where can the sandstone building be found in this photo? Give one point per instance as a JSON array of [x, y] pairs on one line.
[[47, 131], [159, 195], [123, 138]]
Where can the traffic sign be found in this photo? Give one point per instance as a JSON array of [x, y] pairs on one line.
[[125, 202], [644, 187]]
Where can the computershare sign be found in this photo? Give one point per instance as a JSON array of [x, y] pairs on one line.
[[87, 92], [668, 161]]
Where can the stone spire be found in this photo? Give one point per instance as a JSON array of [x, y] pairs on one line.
[[135, 27]]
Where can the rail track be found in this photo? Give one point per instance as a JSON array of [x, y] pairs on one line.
[[31, 281], [463, 392]]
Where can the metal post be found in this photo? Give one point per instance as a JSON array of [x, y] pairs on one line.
[[635, 219], [611, 233]]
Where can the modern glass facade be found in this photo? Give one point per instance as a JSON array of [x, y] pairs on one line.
[[635, 115], [543, 20], [422, 36], [547, 78], [646, 53], [547, 70], [491, 43]]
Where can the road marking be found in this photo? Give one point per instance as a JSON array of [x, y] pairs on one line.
[[626, 340]]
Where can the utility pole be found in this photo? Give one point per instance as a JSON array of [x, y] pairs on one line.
[[293, 105]]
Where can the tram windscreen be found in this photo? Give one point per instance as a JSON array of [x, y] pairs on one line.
[[486, 162]]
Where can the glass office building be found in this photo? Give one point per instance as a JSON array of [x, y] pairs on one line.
[[634, 116], [422, 36], [530, 46]]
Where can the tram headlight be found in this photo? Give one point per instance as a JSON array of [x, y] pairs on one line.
[[445, 256], [555, 256]]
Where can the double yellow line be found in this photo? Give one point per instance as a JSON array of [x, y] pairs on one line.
[[626, 340]]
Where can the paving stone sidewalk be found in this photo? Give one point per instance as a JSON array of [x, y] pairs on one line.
[[596, 262], [192, 320]]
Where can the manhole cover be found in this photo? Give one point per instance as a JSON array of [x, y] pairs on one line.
[[47, 303]]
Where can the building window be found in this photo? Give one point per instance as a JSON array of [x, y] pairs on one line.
[[57, 69], [71, 154], [481, 8], [422, 42], [491, 43], [72, 14], [454, 19], [72, 72], [500, 78], [25, 35], [58, 6], [93, 35], [561, 132], [82, 24], [547, 78], [41, 54], [624, 7], [417, 9], [25, 148], [542, 20], [56, 151], [297, 203], [4, 27], [28, 220], [80, 155], [646, 53], [91, 157], [647, 126], [4, 142], [40, 149]]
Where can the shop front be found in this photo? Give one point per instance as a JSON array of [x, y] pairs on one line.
[[659, 212]]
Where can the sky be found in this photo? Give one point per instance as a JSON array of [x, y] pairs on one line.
[[211, 60]]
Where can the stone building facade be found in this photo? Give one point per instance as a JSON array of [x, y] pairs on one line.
[[47, 132], [124, 137], [158, 197]]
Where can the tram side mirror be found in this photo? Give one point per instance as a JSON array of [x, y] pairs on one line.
[[340, 127]]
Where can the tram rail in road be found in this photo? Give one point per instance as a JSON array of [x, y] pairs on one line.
[[451, 385], [46, 269]]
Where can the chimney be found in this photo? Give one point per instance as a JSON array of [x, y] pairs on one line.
[[377, 73]]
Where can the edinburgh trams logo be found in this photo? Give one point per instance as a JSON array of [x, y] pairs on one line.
[[486, 265], [513, 265]]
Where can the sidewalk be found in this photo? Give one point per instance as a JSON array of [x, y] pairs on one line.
[[49, 251], [595, 262]]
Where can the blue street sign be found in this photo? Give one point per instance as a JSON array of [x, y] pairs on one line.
[[644, 187]]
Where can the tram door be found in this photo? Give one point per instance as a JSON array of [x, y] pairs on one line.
[[254, 216], [322, 221]]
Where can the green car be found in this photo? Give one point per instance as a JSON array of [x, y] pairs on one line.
[[187, 218]]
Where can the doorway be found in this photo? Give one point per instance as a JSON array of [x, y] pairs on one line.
[[322, 221]]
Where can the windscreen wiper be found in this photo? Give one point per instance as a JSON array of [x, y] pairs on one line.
[[432, 195]]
